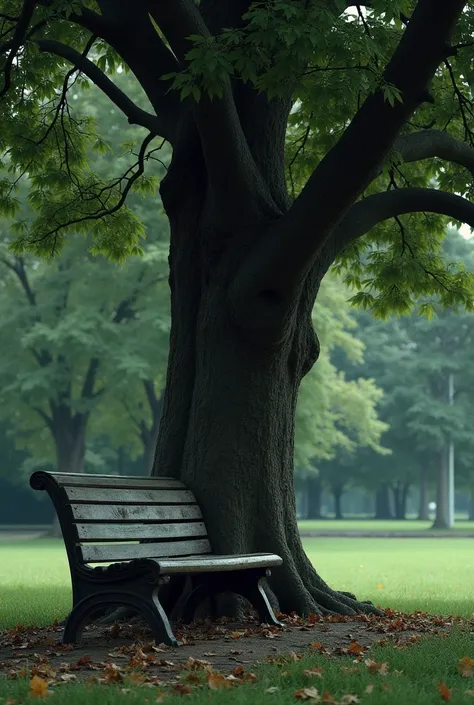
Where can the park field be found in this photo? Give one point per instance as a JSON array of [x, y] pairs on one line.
[[433, 575]]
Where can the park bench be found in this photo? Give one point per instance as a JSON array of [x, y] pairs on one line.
[[146, 530]]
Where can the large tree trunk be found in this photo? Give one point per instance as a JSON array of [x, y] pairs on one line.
[[424, 512], [442, 510], [382, 502], [314, 495], [227, 427]]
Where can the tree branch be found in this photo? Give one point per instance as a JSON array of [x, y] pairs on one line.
[[135, 115], [286, 255], [87, 391], [132, 35], [47, 419], [232, 172], [428, 144], [155, 403], [19, 34], [43, 357], [367, 213]]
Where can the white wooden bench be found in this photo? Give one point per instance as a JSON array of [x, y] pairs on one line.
[[146, 529]]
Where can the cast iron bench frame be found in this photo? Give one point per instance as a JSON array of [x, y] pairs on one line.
[[164, 517]]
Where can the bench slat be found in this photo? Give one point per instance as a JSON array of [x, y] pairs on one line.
[[116, 481], [209, 564], [117, 513], [108, 553], [122, 532], [129, 496]]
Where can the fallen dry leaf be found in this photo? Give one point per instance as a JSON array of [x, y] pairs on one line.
[[112, 673], [317, 646], [182, 688], [466, 667], [216, 681], [38, 687], [195, 664], [272, 689], [349, 699], [374, 667], [308, 694], [315, 672], [355, 648], [444, 691], [369, 689]]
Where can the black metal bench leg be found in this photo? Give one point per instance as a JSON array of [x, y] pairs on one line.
[[150, 609], [254, 591]]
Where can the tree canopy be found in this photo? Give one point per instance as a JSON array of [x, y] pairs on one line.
[[331, 60]]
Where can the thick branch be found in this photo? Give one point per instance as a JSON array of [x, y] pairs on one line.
[[428, 144], [47, 419], [135, 115], [367, 213], [19, 34], [132, 35], [154, 402], [287, 254], [231, 170]]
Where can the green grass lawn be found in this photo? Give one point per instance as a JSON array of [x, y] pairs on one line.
[[376, 525], [406, 574]]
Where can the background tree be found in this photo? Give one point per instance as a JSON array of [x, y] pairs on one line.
[[333, 414], [78, 330], [247, 260], [411, 359]]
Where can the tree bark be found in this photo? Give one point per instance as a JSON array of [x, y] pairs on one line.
[[382, 502], [314, 492], [424, 512], [441, 520], [400, 492], [337, 492]]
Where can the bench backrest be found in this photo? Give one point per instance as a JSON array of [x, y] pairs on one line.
[[103, 517]]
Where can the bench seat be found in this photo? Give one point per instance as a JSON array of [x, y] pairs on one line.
[[209, 564], [149, 531]]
